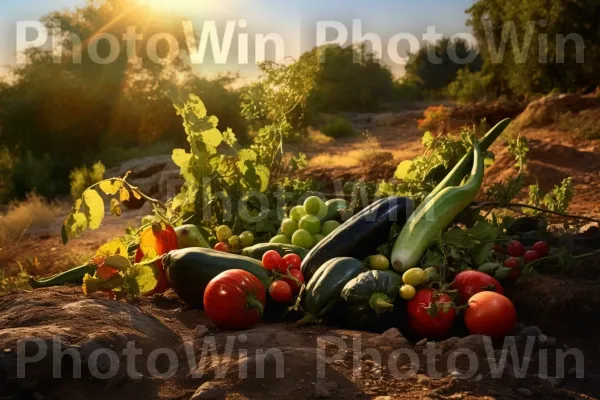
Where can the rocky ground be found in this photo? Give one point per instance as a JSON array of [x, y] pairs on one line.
[[180, 355]]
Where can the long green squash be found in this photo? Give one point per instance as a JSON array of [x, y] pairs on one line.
[[436, 213]]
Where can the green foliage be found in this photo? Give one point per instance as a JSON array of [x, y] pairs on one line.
[[7, 163], [84, 177], [505, 192], [77, 110], [469, 86], [348, 79], [33, 174], [433, 67], [558, 199], [19, 281], [338, 127], [530, 75], [421, 175]]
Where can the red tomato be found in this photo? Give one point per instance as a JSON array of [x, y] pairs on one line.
[[542, 248], [271, 260], [498, 248], [224, 247], [289, 261], [530, 255], [234, 299], [469, 283], [281, 292], [515, 249], [296, 273], [513, 263], [491, 314], [163, 239], [426, 316]]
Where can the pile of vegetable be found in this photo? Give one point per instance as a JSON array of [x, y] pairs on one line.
[[424, 256]]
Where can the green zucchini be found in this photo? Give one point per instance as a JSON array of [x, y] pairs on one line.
[[369, 299], [436, 214], [74, 276], [323, 290], [190, 270], [258, 250]]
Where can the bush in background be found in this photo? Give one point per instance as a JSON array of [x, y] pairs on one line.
[[84, 177], [338, 127], [7, 163], [32, 174], [470, 87]]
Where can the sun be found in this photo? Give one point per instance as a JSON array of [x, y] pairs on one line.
[[169, 5]]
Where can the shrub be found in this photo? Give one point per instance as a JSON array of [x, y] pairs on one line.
[[371, 152], [84, 177], [435, 118], [338, 127], [584, 124], [32, 213], [470, 87], [32, 174], [7, 163]]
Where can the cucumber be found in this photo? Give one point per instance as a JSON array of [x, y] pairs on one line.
[[369, 300], [360, 236], [190, 270], [258, 250], [72, 276], [323, 290]]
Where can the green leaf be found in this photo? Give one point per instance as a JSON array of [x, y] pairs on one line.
[[110, 188], [482, 253], [118, 262], [245, 155], [502, 273], [458, 237], [229, 137], [403, 170], [64, 234], [482, 230], [114, 247], [95, 208], [212, 137], [489, 268], [181, 158], [427, 139], [115, 207]]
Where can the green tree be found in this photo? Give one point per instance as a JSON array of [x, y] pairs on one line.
[[347, 81], [74, 108], [542, 68], [434, 67]]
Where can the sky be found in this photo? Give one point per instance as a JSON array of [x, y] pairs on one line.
[[295, 21]]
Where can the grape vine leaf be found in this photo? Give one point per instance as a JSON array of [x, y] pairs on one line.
[[403, 169], [123, 195], [181, 158], [115, 207], [95, 208], [114, 247], [110, 187]]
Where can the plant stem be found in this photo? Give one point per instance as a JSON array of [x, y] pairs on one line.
[[497, 204]]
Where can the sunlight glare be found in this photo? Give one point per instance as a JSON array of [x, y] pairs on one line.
[[171, 5]]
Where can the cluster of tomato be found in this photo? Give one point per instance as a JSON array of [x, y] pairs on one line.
[[287, 269], [519, 255]]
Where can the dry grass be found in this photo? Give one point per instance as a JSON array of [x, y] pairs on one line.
[[584, 124], [31, 214]]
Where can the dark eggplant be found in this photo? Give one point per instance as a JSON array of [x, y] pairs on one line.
[[360, 236]]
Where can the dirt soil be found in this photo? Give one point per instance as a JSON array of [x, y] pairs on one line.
[[563, 307]]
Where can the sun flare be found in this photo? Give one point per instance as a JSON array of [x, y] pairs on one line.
[[170, 5]]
